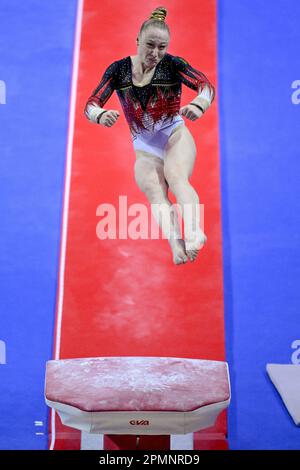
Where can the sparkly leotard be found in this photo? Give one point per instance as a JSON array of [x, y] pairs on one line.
[[154, 107]]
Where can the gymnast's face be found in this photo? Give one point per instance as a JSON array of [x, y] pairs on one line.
[[152, 46]]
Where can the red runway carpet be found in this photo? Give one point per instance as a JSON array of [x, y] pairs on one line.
[[125, 297]]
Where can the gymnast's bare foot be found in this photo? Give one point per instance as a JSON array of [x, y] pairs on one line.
[[178, 250], [192, 248]]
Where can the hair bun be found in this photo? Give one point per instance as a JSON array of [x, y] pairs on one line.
[[159, 13]]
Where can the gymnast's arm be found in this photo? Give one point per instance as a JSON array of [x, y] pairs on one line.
[[197, 81], [94, 107], [204, 98]]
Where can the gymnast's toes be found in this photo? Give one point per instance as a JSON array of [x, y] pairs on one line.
[[192, 254]]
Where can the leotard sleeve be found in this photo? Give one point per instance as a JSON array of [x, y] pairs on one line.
[[195, 80], [102, 93]]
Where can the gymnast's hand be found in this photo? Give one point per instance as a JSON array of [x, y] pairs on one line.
[[109, 118], [190, 112]]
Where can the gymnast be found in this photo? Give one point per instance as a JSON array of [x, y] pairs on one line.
[[149, 89]]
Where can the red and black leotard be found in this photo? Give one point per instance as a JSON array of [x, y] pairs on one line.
[[160, 99]]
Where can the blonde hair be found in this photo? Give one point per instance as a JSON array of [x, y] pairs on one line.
[[156, 19]]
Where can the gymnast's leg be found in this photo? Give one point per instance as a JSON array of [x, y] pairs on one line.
[[178, 167], [149, 176]]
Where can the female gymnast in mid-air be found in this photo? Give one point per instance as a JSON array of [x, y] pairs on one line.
[[149, 89]]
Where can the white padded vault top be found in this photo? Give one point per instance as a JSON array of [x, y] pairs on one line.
[[137, 395]]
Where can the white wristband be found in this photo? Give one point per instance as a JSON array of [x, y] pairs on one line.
[[204, 98], [92, 112]]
